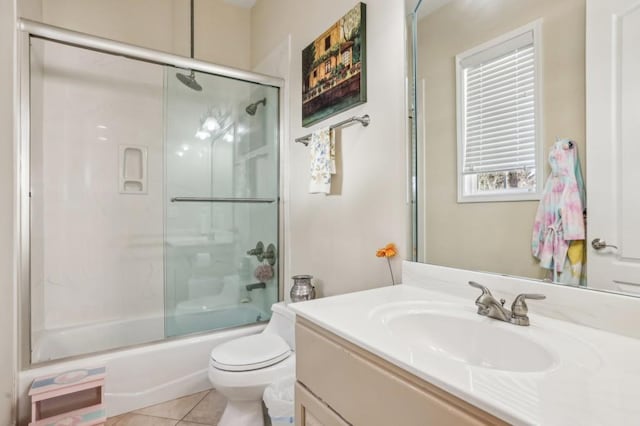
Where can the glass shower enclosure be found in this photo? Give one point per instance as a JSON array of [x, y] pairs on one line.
[[221, 201], [153, 208]]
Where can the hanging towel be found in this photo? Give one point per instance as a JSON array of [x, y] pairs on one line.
[[323, 161], [573, 272], [559, 220]]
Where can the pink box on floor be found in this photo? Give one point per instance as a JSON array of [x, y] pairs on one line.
[[72, 398]]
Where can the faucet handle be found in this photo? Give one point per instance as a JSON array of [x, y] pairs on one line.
[[258, 251], [519, 308], [485, 291], [482, 300]]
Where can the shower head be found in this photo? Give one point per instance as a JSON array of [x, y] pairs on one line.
[[251, 109], [189, 81]]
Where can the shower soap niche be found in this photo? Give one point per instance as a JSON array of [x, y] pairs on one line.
[[132, 169]]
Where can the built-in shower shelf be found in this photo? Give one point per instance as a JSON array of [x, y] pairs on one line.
[[132, 169]]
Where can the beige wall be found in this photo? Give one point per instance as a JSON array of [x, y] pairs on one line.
[[492, 237], [222, 32], [335, 237], [7, 194]]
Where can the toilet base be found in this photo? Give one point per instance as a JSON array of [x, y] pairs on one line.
[[242, 413]]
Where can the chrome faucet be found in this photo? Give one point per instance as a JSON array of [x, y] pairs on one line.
[[490, 307]]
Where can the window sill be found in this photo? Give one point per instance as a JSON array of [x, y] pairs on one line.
[[499, 198]]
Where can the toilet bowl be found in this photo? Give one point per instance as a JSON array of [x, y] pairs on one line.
[[242, 368]]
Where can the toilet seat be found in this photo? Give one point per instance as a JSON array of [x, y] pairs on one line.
[[250, 352]]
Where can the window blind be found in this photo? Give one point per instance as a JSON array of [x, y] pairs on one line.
[[499, 121]]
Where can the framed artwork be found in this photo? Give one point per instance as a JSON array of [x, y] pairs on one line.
[[334, 68]]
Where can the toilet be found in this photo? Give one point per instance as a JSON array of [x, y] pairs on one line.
[[242, 368]]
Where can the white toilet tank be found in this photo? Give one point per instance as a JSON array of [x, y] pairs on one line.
[[282, 323]]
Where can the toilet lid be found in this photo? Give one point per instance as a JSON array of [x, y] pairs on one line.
[[250, 352]]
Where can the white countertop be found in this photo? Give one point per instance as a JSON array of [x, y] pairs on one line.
[[600, 388]]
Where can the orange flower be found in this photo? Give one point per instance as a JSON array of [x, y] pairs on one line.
[[389, 250]]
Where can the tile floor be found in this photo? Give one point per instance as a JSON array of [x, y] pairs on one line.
[[203, 408]]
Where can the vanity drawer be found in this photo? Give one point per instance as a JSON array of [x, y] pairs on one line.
[[367, 390], [310, 411]]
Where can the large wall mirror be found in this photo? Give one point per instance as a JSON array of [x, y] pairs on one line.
[[526, 118]]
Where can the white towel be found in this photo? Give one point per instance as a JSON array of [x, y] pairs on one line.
[[323, 161]]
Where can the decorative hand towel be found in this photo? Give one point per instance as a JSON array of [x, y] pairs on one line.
[[323, 164]]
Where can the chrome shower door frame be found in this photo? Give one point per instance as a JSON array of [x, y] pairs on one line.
[[27, 29]]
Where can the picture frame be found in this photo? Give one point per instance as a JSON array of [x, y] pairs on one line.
[[334, 68]]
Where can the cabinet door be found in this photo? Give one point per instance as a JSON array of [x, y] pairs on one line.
[[369, 391], [310, 411]]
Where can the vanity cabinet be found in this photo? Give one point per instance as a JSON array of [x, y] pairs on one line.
[[340, 383], [311, 411]]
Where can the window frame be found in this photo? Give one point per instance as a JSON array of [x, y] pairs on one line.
[[536, 28], [346, 53]]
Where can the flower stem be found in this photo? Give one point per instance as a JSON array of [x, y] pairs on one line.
[[393, 281]]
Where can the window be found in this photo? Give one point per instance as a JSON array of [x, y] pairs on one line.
[[327, 43], [346, 58], [327, 67], [498, 103]]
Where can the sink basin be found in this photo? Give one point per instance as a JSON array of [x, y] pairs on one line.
[[462, 335]]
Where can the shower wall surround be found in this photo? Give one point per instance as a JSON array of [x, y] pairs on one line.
[[104, 248]]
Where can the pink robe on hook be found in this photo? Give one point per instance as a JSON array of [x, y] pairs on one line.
[[559, 219]]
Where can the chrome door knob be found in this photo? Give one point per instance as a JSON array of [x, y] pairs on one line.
[[599, 244]]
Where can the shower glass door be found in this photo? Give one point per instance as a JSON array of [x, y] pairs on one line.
[[144, 198], [221, 202], [95, 201]]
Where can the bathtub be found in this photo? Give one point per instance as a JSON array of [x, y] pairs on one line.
[[50, 345], [138, 376], [60, 343]]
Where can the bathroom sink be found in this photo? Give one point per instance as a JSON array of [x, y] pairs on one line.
[[458, 333]]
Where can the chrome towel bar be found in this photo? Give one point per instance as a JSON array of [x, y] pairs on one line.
[[364, 120]]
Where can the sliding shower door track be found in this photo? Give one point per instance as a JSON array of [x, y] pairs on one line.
[[221, 200]]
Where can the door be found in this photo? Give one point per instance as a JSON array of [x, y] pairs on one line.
[[221, 203], [613, 144]]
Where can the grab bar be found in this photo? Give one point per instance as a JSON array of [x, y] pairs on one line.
[[221, 200]]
